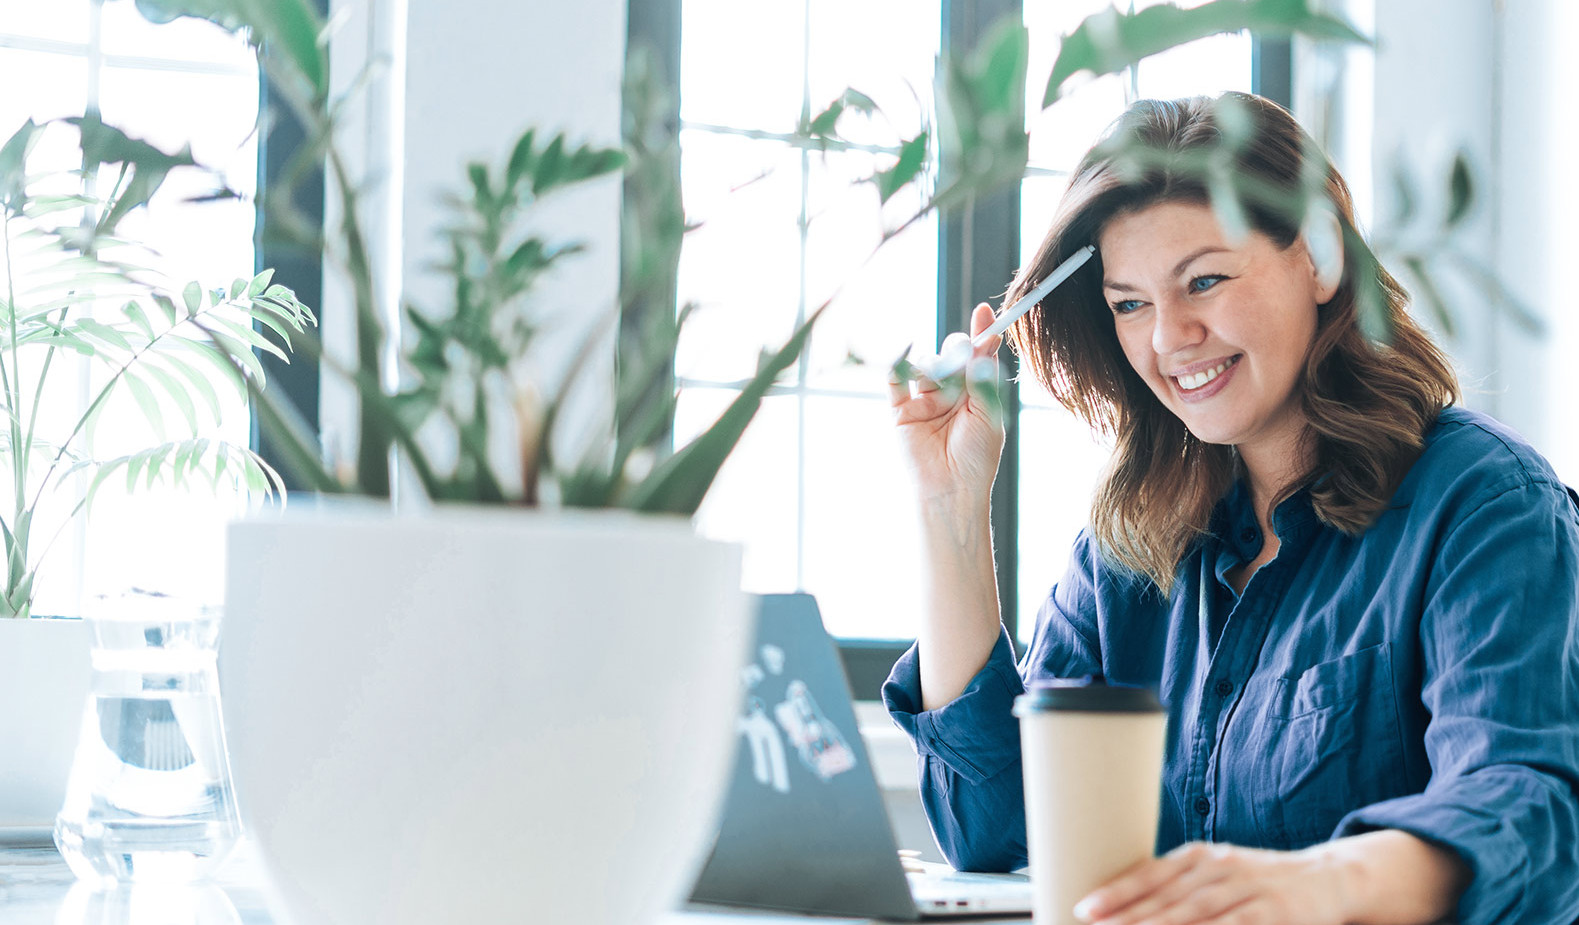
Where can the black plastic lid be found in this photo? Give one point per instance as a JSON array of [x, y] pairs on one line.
[[1086, 695]]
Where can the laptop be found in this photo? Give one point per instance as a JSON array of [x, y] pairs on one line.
[[804, 827]]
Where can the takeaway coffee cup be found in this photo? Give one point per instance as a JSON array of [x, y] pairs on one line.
[[1093, 775]]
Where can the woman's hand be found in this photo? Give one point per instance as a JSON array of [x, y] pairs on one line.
[[953, 436], [1386, 877], [1224, 884]]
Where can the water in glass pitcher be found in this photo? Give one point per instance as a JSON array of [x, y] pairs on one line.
[[149, 797]]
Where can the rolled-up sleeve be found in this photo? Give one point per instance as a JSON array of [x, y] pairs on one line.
[[1498, 640], [969, 755]]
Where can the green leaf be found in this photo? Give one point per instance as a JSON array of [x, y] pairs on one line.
[[135, 312], [145, 400], [147, 166], [248, 335], [547, 172], [166, 307], [40, 206], [240, 352], [192, 295], [478, 174], [1107, 42], [825, 123], [134, 468], [102, 332], [272, 317], [13, 164], [981, 114], [176, 391], [260, 283], [912, 158], [291, 28], [219, 360], [679, 483], [156, 463], [522, 157], [1461, 190], [202, 386], [1406, 194]]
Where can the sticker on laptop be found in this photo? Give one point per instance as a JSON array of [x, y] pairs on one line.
[[818, 742], [767, 752], [822, 749]]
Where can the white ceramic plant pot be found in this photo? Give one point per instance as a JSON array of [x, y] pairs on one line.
[[477, 715], [45, 665]]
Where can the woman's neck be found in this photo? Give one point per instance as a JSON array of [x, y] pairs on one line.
[[1271, 469]]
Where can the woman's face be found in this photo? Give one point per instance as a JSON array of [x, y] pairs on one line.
[[1217, 328]]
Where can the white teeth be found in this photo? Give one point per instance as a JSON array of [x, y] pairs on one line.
[[1196, 380]]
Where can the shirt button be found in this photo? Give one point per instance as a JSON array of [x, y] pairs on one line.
[[1203, 806], [1248, 535], [1225, 687]]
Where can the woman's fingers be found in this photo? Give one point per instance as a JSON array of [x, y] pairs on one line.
[[898, 389], [980, 320], [1132, 886]]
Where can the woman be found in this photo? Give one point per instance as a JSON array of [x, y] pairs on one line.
[[1356, 600]]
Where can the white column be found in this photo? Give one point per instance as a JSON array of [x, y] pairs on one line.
[[468, 77]]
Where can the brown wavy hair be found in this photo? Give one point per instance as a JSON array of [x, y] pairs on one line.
[[1368, 404]]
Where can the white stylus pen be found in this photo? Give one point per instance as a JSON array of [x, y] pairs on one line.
[[948, 366]]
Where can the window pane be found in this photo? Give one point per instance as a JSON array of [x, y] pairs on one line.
[[754, 499], [57, 87], [1206, 67], [1060, 461], [741, 266], [204, 95], [55, 20], [885, 49], [742, 64], [183, 42], [1063, 132], [863, 558], [881, 305]]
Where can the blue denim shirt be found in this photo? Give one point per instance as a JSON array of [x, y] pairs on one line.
[[1421, 676]]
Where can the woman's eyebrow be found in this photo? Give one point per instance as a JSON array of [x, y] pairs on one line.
[[1177, 269]]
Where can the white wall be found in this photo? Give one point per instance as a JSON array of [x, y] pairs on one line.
[[461, 80], [1493, 78]]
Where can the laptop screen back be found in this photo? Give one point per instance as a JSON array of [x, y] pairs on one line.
[[803, 826]]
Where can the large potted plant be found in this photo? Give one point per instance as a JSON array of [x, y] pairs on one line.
[[517, 686], [73, 294]]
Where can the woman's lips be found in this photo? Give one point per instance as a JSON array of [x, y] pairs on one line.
[[1224, 372]]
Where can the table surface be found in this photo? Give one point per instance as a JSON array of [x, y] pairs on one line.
[[37, 888]]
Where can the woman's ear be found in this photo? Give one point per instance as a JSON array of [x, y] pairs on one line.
[[1323, 236]]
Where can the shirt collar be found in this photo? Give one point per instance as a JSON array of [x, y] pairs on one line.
[[1233, 524]]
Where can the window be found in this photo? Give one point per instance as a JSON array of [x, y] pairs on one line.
[[173, 85], [817, 490]]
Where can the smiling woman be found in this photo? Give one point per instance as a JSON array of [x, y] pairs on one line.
[[1357, 602]]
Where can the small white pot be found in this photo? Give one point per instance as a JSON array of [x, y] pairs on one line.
[[479, 715], [45, 665]]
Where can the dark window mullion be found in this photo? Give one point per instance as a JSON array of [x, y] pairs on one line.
[[301, 269], [979, 248], [1272, 69]]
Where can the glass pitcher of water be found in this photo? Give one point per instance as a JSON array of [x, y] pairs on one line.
[[149, 797]]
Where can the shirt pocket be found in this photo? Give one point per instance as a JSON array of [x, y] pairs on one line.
[[1335, 745]]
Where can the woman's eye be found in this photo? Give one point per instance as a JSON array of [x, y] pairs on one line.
[[1203, 283], [1126, 306]]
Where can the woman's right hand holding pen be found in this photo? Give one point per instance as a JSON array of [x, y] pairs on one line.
[[953, 432], [953, 435]]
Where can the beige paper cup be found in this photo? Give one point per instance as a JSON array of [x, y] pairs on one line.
[[1093, 777]]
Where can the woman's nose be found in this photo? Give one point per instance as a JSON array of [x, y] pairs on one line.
[[1175, 327]]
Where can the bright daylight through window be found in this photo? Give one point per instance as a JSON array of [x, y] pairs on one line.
[[817, 490], [186, 83]]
